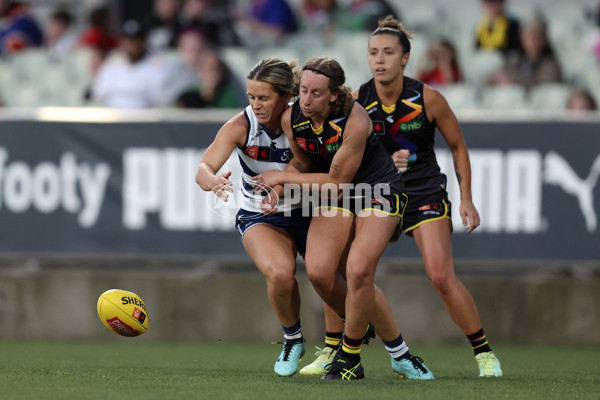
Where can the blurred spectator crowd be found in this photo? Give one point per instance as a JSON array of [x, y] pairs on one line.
[[494, 54]]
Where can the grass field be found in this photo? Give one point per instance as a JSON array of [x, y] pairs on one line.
[[130, 369]]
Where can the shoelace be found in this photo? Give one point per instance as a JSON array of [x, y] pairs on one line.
[[288, 346], [417, 362], [329, 367]]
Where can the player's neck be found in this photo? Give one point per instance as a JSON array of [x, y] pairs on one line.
[[389, 93], [273, 127]]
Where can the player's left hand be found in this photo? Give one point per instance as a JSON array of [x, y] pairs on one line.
[[469, 215], [267, 180], [400, 158], [269, 203]]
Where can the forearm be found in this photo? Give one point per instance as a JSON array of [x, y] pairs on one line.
[[462, 168], [205, 177]]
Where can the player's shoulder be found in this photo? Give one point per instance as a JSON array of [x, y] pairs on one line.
[[431, 95], [238, 122]]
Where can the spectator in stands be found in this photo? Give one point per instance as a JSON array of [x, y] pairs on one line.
[[268, 21], [592, 39], [213, 21], [130, 78], [165, 26], [535, 64], [182, 75], [320, 17], [364, 15], [97, 57], [581, 100], [60, 38], [18, 29], [100, 33], [496, 30], [219, 87], [441, 65]]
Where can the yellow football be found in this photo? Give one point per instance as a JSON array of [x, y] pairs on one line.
[[123, 312]]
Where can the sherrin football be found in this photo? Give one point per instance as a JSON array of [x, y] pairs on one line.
[[123, 312]]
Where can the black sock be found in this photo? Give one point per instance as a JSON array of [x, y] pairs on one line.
[[479, 342], [333, 339], [351, 348]]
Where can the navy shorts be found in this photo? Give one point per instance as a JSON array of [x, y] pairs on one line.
[[295, 224], [424, 208]]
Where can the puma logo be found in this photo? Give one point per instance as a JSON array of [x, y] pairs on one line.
[[558, 172]]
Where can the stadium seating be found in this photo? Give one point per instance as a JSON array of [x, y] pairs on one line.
[[551, 97], [461, 96], [30, 79], [504, 97]]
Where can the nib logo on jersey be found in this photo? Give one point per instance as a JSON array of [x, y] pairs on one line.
[[48, 186], [512, 189]]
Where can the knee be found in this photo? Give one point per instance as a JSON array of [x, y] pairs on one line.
[[441, 280], [281, 278], [321, 282], [319, 276], [359, 274]]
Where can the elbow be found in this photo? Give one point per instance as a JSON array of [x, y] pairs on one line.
[[202, 182]]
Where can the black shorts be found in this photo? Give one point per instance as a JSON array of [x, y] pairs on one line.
[[365, 199], [424, 208]]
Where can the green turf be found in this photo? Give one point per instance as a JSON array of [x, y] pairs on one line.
[[134, 369]]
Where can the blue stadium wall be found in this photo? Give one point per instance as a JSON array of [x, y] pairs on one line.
[[128, 188], [89, 206]]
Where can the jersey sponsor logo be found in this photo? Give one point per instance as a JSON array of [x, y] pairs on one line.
[[410, 126], [332, 144], [429, 207], [301, 126], [372, 107], [251, 152], [332, 147], [259, 153], [308, 145], [301, 143]]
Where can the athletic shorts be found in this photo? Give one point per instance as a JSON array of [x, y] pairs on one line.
[[295, 224], [355, 202], [362, 199], [424, 208]]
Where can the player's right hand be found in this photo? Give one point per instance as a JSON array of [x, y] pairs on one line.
[[222, 186]]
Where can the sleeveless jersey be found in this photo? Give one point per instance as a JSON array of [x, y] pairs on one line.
[[376, 165], [263, 151], [406, 127]]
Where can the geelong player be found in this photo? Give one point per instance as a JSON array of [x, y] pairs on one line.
[[271, 241]]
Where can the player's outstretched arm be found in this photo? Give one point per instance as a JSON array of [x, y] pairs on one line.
[[231, 134]]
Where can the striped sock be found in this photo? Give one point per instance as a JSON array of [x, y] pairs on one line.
[[293, 332], [397, 348], [333, 339], [479, 342], [351, 348]]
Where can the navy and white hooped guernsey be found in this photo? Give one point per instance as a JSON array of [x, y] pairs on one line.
[[263, 151]]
